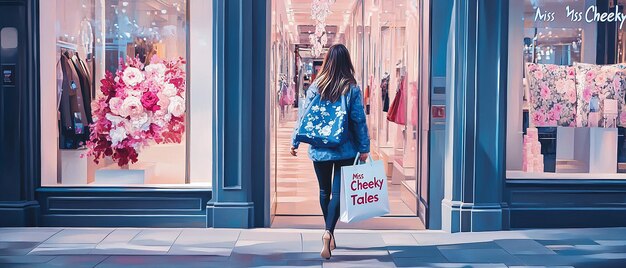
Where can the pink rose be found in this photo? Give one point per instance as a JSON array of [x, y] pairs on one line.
[[131, 107], [115, 104], [601, 79], [555, 115], [590, 75], [538, 118], [149, 101], [587, 94], [538, 74], [571, 71], [558, 108], [164, 102]]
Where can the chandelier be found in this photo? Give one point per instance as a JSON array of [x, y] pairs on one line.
[[320, 9]]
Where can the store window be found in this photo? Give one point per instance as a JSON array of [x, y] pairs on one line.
[[391, 73], [118, 100], [567, 89]]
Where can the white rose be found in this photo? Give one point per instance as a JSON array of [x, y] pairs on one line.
[[132, 76], [115, 120], [140, 122], [169, 90], [134, 93], [131, 106], [157, 71], [117, 134], [177, 106]]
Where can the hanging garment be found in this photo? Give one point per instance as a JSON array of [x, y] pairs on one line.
[[397, 112], [73, 120], [286, 98], [384, 88], [85, 83]]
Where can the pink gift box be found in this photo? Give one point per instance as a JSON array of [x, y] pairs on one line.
[[594, 119], [536, 148], [532, 132]]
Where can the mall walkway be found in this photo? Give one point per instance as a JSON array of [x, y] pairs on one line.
[[298, 191], [110, 247]]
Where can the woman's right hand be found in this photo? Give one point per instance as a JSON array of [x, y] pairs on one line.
[[363, 156], [293, 151]]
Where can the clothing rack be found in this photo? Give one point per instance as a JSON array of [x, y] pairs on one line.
[[66, 45]]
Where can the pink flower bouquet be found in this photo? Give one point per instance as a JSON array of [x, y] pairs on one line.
[[137, 105]]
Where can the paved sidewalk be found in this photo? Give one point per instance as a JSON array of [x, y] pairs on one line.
[[129, 247]]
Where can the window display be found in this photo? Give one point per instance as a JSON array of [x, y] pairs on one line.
[[393, 72], [574, 94], [122, 98]]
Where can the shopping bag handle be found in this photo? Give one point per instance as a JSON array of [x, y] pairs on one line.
[[356, 159]]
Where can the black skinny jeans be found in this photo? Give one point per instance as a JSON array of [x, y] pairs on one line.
[[330, 184]]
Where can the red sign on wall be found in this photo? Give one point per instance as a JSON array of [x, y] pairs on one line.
[[438, 111]]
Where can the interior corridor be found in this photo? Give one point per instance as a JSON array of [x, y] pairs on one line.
[[298, 192]]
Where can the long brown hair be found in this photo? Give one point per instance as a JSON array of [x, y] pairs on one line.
[[336, 75]]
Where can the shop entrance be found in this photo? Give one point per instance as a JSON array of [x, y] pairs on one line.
[[387, 55]]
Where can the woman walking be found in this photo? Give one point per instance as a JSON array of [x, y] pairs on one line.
[[336, 82]]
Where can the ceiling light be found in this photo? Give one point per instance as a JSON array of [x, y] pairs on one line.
[[163, 11], [125, 3]]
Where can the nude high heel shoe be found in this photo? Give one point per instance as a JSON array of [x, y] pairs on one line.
[[326, 246], [333, 246]]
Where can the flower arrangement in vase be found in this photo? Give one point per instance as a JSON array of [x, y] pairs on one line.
[[138, 105]]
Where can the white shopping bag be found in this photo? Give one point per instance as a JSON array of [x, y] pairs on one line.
[[363, 191]]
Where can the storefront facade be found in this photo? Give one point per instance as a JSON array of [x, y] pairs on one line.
[[468, 173]]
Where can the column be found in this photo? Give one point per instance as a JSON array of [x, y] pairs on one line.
[[239, 101], [19, 117], [475, 128]]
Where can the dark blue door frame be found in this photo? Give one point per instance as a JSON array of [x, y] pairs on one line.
[[19, 156]]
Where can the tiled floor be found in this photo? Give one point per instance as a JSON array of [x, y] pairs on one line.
[[298, 191], [99, 247]]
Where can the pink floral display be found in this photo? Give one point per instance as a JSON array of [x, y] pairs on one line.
[[603, 81], [552, 95], [138, 105]]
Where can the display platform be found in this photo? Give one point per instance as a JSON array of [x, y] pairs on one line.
[[409, 195], [386, 154], [595, 150], [401, 173], [76, 168], [135, 174]]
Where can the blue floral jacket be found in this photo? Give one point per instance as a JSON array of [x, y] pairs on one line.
[[358, 138]]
